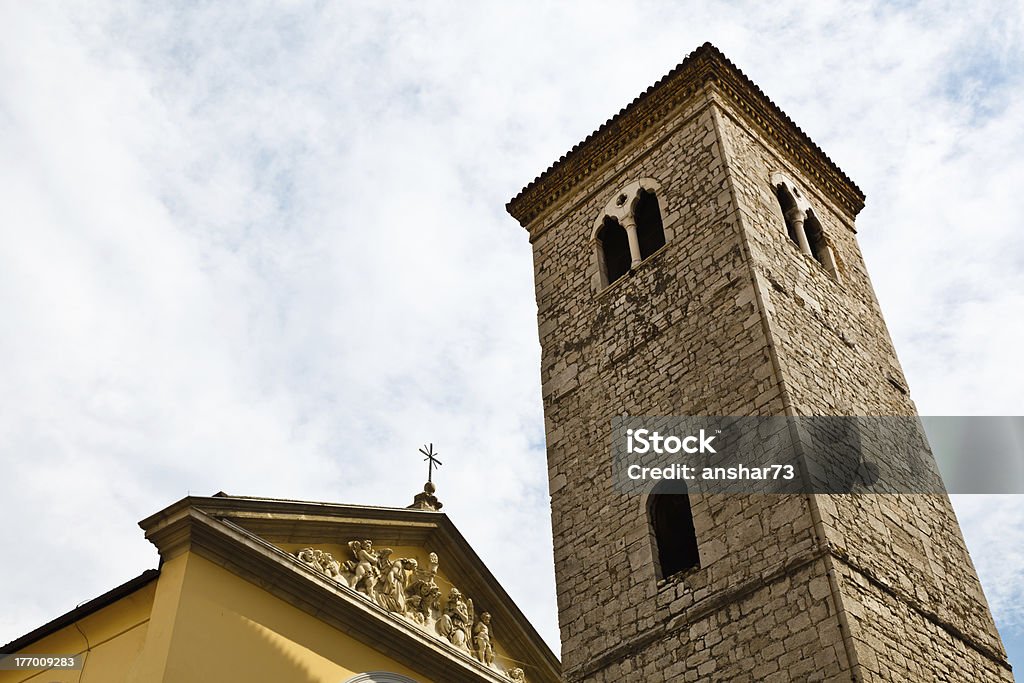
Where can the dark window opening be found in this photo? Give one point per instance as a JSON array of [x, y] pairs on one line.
[[788, 205], [615, 249], [650, 231], [674, 535], [815, 237]]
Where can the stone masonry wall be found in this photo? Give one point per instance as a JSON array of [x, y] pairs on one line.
[[729, 318], [682, 334], [837, 358]]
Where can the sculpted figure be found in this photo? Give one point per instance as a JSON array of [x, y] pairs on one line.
[[421, 600], [383, 561], [365, 569], [423, 596], [308, 555], [431, 569], [321, 561], [457, 620], [393, 583], [482, 649], [517, 675], [330, 566]]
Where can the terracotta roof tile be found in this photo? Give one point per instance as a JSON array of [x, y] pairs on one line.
[[705, 55]]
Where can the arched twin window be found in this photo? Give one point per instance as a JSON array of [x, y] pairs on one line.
[[629, 230], [673, 532], [802, 226]]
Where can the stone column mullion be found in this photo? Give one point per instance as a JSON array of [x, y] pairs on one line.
[[797, 218], [634, 242]]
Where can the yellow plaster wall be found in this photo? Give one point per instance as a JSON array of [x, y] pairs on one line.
[[151, 663], [199, 622], [227, 629], [110, 638]]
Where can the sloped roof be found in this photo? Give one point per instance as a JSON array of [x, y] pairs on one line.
[[82, 611], [703, 65]]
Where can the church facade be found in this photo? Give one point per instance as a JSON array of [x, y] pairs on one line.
[[697, 256], [253, 589]]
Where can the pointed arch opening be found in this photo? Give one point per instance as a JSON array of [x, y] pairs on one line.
[[815, 238], [674, 535], [614, 250], [650, 230], [789, 210]]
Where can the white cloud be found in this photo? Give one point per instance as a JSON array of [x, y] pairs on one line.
[[995, 537], [265, 250]]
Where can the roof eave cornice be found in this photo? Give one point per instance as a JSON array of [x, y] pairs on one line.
[[705, 65]]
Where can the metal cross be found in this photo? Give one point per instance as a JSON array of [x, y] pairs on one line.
[[432, 458]]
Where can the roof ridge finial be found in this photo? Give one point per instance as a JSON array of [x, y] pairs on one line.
[[427, 500]]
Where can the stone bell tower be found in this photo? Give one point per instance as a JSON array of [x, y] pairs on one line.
[[697, 255]]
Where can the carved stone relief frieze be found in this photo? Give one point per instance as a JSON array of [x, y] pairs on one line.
[[403, 587]]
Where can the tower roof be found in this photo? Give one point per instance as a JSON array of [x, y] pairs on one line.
[[704, 65]]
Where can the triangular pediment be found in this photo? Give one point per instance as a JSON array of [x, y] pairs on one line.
[[404, 581]]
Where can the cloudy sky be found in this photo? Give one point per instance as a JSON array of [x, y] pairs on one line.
[[261, 247]]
